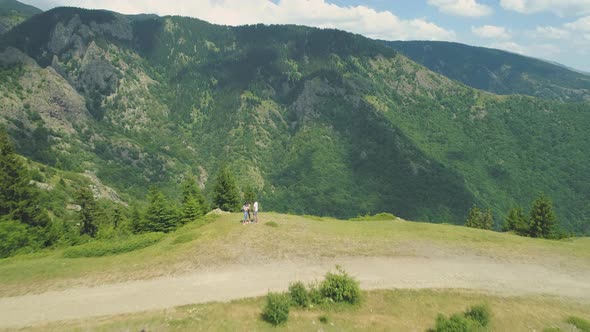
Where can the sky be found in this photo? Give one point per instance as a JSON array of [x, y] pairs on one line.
[[555, 30]]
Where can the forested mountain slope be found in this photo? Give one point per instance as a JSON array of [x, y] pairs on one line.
[[318, 121], [13, 12], [497, 71]]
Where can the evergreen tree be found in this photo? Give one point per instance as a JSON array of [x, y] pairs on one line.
[[194, 204], [88, 211], [487, 220], [18, 199], [225, 192], [542, 218], [191, 210], [160, 217], [516, 222], [474, 218]]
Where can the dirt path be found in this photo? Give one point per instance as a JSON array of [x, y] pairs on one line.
[[239, 281]]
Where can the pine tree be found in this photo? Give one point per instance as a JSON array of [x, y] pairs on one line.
[[474, 218], [160, 217], [542, 222], [487, 221], [225, 192], [18, 199], [516, 222], [88, 211], [191, 210], [194, 204]]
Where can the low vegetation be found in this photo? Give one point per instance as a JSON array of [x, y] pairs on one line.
[[378, 216], [108, 247], [276, 310], [474, 319], [581, 324], [299, 295], [381, 310], [336, 288], [340, 287], [213, 238]]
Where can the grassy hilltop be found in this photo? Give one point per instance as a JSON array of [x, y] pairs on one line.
[[223, 241]]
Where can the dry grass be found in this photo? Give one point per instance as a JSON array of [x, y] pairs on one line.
[[383, 310], [226, 241]]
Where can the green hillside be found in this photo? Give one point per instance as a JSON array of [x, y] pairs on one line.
[[318, 121], [497, 71], [13, 12], [221, 243]]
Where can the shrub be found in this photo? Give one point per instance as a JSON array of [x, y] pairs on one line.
[[456, 323], [315, 295], [271, 224], [582, 324], [340, 287], [15, 237], [299, 294], [111, 247], [473, 319], [479, 314], [277, 308]]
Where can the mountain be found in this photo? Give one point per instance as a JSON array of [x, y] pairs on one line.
[[317, 121], [13, 12], [497, 71]]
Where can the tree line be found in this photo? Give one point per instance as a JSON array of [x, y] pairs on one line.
[[26, 225], [541, 220]]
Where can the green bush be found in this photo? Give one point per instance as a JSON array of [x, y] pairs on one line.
[[455, 323], [582, 324], [299, 294], [112, 247], [479, 314], [277, 308], [473, 319], [315, 295], [340, 287], [16, 238]]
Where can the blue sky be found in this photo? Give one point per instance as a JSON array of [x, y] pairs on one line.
[[556, 30]]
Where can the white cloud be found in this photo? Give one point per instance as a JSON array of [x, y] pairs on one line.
[[468, 8], [559, 7], [582, 24], [550, 32], [317, 13], [548, 51], [510, 46], [491, 32]]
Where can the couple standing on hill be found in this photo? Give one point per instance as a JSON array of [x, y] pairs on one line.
[[246, 209]]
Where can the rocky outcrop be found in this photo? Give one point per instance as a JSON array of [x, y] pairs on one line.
[[99, 190]]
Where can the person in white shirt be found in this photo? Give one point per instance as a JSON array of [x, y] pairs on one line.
[[256, 211]]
